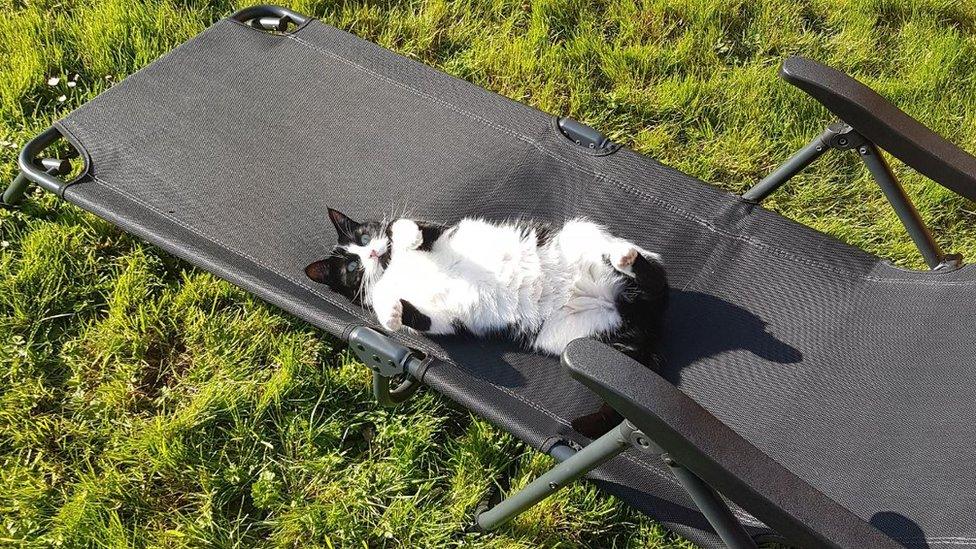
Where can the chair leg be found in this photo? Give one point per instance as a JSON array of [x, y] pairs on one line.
[[902, 205], [592, 456], [15, 191], [718, 513]]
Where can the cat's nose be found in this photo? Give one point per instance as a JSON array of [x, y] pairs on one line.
[[373, 254]]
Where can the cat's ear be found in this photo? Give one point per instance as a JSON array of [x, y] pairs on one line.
[[345, 227], [318, 271]]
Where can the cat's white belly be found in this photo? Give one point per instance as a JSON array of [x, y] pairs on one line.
[[490, 278], [486, 277]]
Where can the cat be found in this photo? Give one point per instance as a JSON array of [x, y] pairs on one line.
[[542, 285]]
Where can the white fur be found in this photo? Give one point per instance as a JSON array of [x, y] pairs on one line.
[[490, 276]]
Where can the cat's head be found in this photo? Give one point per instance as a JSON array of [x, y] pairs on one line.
[[358, 259]]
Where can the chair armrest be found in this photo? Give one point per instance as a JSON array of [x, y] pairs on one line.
[[715, 453], [885, 125]]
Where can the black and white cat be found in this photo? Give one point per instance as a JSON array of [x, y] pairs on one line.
[[544, 285]]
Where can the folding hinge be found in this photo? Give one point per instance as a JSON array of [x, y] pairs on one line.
[[641, 442], [377, 351], [841, 136], [388, 360]]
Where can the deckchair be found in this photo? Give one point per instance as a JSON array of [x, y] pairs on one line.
[[812, 393]]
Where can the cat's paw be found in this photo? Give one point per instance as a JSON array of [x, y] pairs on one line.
[[392, 320], [405, 235], [622, 257]]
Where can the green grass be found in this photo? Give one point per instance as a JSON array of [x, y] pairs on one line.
[[146, 403]]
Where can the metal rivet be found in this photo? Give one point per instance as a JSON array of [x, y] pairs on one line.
[[553, 485], [842, 141]]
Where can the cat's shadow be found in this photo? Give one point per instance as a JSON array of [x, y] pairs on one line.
[[697, 326]]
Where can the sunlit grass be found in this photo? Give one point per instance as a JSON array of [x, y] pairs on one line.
[[144, 403]]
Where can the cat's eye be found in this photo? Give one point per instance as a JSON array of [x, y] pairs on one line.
[[365, 239], [352, 266]]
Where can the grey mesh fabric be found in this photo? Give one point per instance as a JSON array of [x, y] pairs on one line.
[[857, 376]]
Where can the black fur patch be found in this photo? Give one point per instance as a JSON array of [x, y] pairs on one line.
[[543, 234], [413, 318], [543, 231], [431, 232], [641, 305], [333, 271]]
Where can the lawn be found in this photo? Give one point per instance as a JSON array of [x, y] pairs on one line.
[[146, 403]]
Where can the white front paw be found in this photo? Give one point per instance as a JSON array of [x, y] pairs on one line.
[[405, 235], [392, 318]]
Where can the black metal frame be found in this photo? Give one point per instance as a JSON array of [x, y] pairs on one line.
[[389, 361], [269, 18], [575, 464], [41, 171], [841, 136], [715, 459], [867, 123]]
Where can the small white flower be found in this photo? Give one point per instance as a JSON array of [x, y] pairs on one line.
[[62, 98], [53, 81], [75, 77], [72, 84]]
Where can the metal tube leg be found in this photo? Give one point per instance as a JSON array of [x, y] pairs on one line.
[[895, 194], [391, 396], [794, 165], [561, 452], [15, 191], [595, 454], [713, 507]]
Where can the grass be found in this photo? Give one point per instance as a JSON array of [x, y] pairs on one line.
[[146, 403]]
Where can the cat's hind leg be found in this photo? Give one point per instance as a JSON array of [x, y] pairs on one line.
[[627, 258]]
